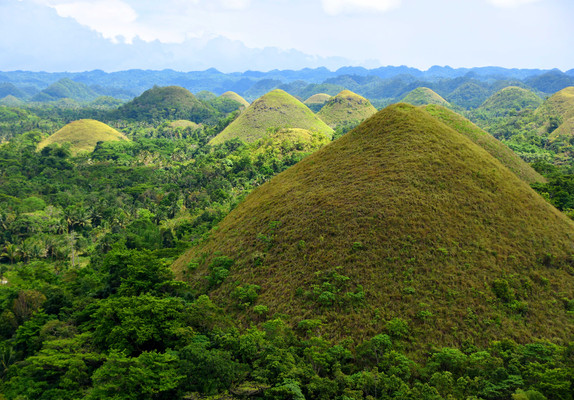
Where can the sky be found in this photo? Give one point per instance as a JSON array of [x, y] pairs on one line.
[[239, 35]]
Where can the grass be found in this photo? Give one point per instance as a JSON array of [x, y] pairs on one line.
[[565, 130], [560, 103], [496, 148], [346, 107], [183, 123], [423, 95], [510, 99], [276, 110], [401, 211], [235, 97], [319, 98], [83, 135]]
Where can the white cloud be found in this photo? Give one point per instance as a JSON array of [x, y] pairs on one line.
[[112, 18], [335, 7], [511, 3]]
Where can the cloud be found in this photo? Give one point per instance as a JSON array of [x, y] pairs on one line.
[[511, 3], [236, 4], [112, 18], [335, 7]]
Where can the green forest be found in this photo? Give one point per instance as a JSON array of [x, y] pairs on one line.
[[158, 263]]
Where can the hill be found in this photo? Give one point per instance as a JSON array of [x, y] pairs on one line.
[[83, 135], [560, 104], [275, 110], [402, 226], [169, 102], [317, 101], [66, 89], [468, 95], [511, 99], [485, 140], [11, 101], [423, 95], [346, 107], [235, 97]]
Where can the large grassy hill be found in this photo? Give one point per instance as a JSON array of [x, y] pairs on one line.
[[166, 103], [83, 135], [485, 140], [402, 226], [423, 95], [510, 99], [346, 107], [274, 111]]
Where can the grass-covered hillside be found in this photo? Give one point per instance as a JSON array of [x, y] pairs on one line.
[[346, 107], [274, 111], [161, 103], [83, 135], [403, 225], [511, 99], [423, 95], [496, 148], [235, 97], [317, 101]]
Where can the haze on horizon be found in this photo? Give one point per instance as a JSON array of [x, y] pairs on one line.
[[237, 35]]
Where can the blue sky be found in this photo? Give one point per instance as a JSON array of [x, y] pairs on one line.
[[236, 35]]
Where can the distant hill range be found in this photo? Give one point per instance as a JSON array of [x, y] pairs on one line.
[[379, 83]]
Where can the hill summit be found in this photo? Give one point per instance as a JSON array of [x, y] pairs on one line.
[[511, 99], [346, 107], [83, 135], [275, 110], [402, 226], [237, 98], [423, 95]]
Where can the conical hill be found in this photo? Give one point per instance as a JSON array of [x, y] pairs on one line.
[[166, 103], [317, 101], [83, 135], [560, 103], [496, 148], [274, 111], [235, 97], [346, 107], [511, 99], [422, 96], [402, 226], [319, 98]]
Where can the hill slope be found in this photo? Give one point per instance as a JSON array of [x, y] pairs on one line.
[[510, 99], [170, 102], [485, 140], [83, 135], [403, 220], [235, 97], [346, 107], [317, 101], [275, 110], [423, 95]]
